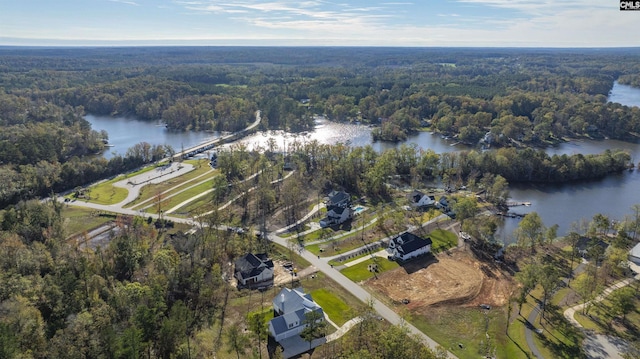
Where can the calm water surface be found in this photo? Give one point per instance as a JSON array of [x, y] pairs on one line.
[[556, 204], [572, 203], [328, 132], [125, 132]]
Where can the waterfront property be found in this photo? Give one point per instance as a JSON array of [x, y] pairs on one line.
[[254, 270], [407, 245], [584, 245]]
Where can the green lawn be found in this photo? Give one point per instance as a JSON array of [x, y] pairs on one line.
[[601, 319], [443, 240], [106, 193], [80, 219], [337, 310], [559, 338], [181, 197], [468, 332], [170, 186], [360, 271]]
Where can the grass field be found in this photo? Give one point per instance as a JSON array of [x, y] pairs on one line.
[[468, 332], [181, 197], [170, 186], [80, 219], [442, 240], [106, 193], [337, 310], [601, 319], [360, 271]]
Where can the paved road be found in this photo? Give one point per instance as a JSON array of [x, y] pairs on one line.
[[357, 291], [223, 138], [570, 312], [533, 317], [529, 332]]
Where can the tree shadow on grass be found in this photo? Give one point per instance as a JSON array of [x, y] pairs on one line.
[[527, 354], [567, 347]]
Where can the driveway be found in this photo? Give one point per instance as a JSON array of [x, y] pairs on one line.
[[357, 291]]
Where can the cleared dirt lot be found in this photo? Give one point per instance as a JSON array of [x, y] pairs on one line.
[[456, 278]]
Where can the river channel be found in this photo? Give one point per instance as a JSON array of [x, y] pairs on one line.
[[557, 204]]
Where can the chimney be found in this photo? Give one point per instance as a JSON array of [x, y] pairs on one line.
[[282, 302]]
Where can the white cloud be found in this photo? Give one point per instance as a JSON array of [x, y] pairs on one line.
[[128, 2]]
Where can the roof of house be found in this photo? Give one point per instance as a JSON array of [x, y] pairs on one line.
[[250, 265], [294, 303], [292, 299], [337, 210], [281, 323], [411, 242], [416, 196], [336, 197], [635, 251], [585, 242]]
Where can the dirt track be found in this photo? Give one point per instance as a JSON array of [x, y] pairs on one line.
[[455, 279]]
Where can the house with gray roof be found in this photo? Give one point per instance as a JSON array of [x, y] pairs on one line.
[[336, 215], [254, 270], [407, 245], [290, 307]]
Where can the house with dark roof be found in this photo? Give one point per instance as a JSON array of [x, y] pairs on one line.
[[290, 307], [407, 245], [584, 245], [338, 199], [254, 270]]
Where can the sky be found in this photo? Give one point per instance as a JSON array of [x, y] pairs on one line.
[[450, 23]]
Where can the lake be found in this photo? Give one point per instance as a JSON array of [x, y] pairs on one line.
[[570, 203], [125, 132], [329, 132], [556, 204]]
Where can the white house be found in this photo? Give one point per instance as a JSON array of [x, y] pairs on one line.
[[634, 254], [290, 307], [419, 199], [336, 215], [407, 245], [254, 269]]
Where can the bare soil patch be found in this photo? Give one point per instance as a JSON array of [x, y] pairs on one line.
[[282, 275], [453, 278]]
